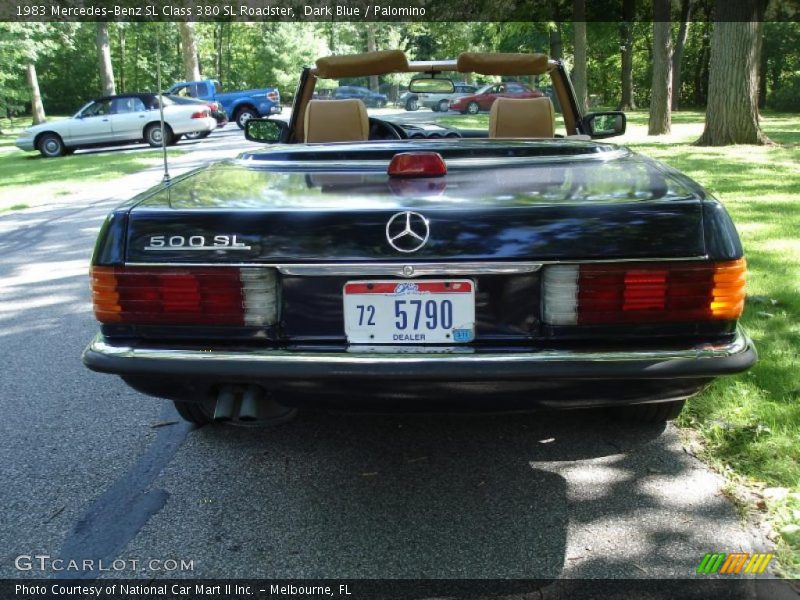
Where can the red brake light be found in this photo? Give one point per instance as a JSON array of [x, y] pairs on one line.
[[201, 114], [197, 296], [609, 293], [417, 164]]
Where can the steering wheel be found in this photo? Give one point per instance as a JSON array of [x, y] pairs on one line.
[[384, 130]]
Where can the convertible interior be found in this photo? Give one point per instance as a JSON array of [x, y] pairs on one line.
[[316, 121]]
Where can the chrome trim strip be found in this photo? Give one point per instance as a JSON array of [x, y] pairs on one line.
[[402, 269], [250, 161], [740, 344], [410, 270]]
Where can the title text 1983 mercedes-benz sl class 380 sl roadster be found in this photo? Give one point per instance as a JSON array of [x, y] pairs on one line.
[[351, 264]]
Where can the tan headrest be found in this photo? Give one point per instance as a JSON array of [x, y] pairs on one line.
[[500, 63], [522, 118], [359, 65], [336, 121]]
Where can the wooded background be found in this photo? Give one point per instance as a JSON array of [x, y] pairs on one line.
[[661, 65]]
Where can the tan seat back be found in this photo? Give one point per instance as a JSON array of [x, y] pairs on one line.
[[336, 121], [522, 118]]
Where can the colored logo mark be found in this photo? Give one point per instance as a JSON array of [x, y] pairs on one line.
[[737, 563], [462, 335]]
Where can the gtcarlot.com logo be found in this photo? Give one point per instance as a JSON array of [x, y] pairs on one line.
[[44, 562], [737, 563]]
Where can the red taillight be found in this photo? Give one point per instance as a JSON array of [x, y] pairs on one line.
[[213, 106], [196, 296], [417, 164], [201, 114], [669, 292]]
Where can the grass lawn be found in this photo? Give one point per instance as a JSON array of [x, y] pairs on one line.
[[750, 424], [26, 175]]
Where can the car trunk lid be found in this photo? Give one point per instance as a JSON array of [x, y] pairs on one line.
[[498, 202]]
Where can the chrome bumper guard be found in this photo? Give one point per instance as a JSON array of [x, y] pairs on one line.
[[700, 361]]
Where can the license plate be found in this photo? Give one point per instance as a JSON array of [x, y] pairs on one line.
[[406, 312]]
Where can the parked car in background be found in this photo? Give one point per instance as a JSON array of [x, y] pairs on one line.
[[485, 97], [118, 119], [216, 109], [241, 105], [409, 100], [368, 97], [441, 102]]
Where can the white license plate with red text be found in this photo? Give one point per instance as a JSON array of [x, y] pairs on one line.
[[409, 312]]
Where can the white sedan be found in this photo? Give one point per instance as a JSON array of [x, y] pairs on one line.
[[117, 120]]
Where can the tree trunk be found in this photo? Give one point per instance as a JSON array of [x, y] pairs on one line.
[[372, 47], [701, 71], [762, 81], [104, 58], [191, 67], [677, 54], [121, 40], [627, 101], [556, 47], [661, 91], [761, 8], [579, 68], [731, 112], [37, 108], [218, 40]]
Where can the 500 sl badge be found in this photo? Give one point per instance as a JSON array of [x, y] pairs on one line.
[[195, 242]]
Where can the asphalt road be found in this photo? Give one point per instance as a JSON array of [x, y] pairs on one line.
[[93, 470]]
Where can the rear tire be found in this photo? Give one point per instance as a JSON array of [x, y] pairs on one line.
[[658, 412], [193, 412], [197, 135], [152, 135], [412, 104], [51, 146], [243, 115], [444, 106]]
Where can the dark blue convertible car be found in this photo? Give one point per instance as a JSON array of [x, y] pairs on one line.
[[346, 264]]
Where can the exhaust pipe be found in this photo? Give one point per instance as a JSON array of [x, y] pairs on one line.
[[252, 400], [226, 403]]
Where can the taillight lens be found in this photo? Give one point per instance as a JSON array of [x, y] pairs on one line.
[[417, 164], [185, 296], [669, 292], [201, 114]]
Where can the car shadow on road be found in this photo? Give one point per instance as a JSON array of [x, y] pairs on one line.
[[442, 496]]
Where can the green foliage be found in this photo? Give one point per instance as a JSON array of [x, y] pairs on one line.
[[20, 45], [258, 54]]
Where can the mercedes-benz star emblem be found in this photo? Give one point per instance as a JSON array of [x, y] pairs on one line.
[[407, 231]]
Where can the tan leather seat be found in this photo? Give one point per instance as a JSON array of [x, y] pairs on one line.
[[336, 121], [522, 118]]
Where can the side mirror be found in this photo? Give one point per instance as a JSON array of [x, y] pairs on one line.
[[604, 124], [426, 85], [266, 131]]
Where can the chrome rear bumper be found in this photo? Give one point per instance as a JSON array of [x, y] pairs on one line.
[[462, 364]]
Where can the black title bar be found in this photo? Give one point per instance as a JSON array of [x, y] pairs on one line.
[[382, 10]]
